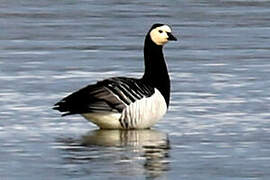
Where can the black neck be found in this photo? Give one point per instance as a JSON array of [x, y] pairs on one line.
[[156, 72]]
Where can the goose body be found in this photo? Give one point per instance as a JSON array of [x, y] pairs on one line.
[[127, 103]]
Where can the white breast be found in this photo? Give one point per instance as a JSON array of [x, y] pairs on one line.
[[144, 113]]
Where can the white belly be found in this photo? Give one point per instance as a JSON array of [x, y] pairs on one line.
[[104, 120], [141, 114]]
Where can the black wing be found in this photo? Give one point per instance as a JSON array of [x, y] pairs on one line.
[[109, 95]]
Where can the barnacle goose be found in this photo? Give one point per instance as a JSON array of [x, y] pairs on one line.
[[127, 103]]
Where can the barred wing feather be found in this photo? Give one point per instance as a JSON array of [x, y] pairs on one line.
[[109, 95]]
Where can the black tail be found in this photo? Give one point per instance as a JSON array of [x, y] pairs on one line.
[[78, 102]]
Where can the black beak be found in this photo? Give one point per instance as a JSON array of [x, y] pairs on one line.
[[171, 37]]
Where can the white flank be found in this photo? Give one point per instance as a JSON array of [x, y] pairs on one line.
[[141, 114], [145, 112], [159, 35]]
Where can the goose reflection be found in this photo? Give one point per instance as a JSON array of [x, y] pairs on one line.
[[136, 152]]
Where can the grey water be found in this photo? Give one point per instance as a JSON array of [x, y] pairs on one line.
[[218, 123]]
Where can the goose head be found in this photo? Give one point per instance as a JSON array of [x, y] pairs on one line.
[[160, 34]]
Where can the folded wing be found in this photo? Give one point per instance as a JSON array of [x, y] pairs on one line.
[[110, 95]]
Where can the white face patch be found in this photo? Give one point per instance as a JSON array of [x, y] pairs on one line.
[[159, 35]]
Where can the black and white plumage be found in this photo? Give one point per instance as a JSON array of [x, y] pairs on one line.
[[127, 103]]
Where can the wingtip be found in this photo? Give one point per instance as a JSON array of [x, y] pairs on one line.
[[58, 109], [66, 114], [55, 107]]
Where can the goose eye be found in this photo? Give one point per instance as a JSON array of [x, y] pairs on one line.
[[160, 31]]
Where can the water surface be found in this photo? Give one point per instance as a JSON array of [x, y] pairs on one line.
[[217, 126]]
